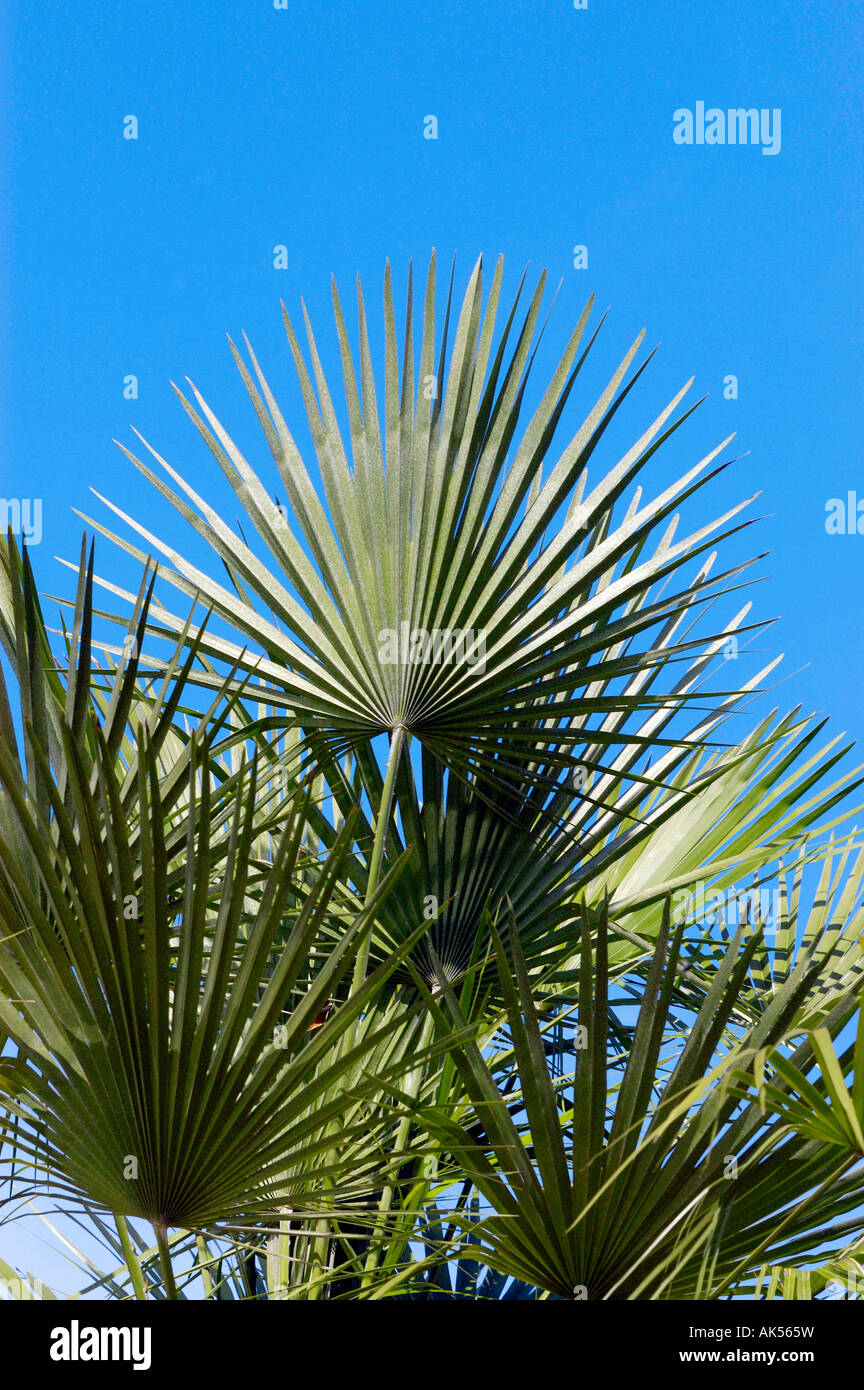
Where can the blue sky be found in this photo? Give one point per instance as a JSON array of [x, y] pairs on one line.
[[303, 127]]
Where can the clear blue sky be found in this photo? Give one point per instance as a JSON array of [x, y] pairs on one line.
[[304, 127]]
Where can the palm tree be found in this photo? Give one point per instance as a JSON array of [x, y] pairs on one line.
[[448, 742], [443, 520], [175, 1059], [657, 1182]]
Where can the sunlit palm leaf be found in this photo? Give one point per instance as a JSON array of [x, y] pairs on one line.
[[448, 520]]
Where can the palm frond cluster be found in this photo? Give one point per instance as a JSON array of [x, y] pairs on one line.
[[399, 917]]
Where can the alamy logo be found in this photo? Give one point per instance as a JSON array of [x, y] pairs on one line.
[[24, 515], [77, 1343], [733, 906], [437, 646], [738, 126], [851, 1287], [16, 1289], [845, 515]]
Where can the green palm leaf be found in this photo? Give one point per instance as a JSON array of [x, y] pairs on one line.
[[448, 520], [626, 1192], [158, 988]]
